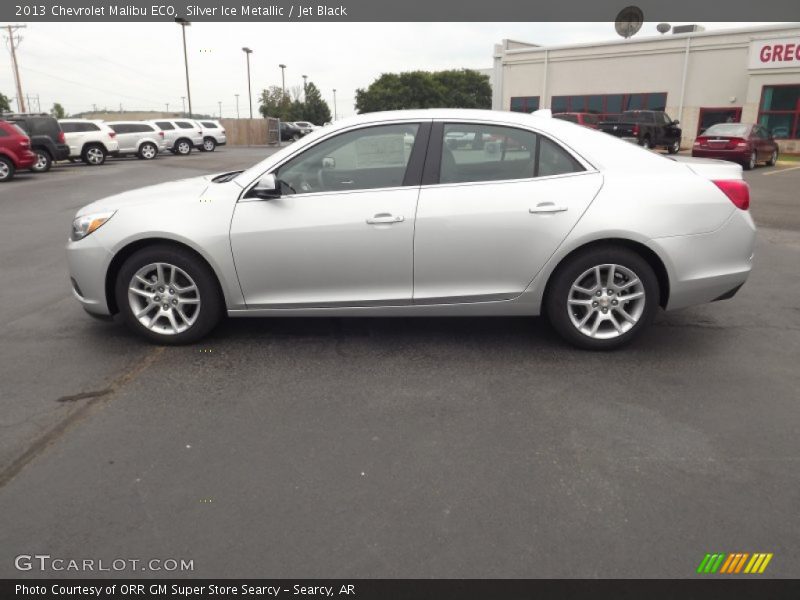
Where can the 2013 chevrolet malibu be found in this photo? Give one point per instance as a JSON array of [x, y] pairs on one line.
[[550, 218]]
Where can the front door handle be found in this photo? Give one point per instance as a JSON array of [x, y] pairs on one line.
[[385, 219], [547, 207]]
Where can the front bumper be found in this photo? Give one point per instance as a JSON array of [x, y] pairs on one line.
[[88, 263]]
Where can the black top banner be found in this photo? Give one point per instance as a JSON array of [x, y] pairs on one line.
[[392, 10]]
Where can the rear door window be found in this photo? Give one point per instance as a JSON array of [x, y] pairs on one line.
[[184, 125], [165, 125], [208, 125]]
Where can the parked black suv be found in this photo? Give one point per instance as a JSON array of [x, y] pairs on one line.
[[47, 139]]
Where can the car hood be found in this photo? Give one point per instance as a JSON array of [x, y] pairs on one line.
[[162, 193]]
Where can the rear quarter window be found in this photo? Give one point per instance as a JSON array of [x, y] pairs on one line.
[[165, 125], [208, 125], [184, 125]]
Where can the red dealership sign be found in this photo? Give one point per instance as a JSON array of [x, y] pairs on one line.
[[775, 54]]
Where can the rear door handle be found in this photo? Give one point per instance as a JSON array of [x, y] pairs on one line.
[[547, 207], [385, 219]]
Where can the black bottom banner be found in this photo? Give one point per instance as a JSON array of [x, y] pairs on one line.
[[404, 589]]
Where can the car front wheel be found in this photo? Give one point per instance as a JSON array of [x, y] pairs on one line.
[[773, 158], [168, 295], [209, 144], [602, 298], [675, 147], [43, 162], [183, 147], [6, 169]]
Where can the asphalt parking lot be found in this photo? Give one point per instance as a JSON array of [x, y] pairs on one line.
[[393, 447]]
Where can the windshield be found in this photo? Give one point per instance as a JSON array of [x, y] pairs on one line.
[[728, 129]]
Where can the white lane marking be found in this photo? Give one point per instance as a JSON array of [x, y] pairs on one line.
[[776, 171]]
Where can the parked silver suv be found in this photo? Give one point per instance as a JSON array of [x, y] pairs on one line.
[[138, 138], [213, 135], [180, 135]]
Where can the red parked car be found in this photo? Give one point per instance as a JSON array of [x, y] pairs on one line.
[[744, 143], [586, 119], [15, 150]]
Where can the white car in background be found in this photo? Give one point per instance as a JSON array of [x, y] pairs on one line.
[[213, 135], [305, 126], [180, 135], [91, 141], [139, 138]]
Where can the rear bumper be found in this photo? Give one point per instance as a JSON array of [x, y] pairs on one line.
[[61, 152], [25, 159], [711, 266], [739, 156]]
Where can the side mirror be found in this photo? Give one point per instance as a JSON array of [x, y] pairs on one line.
[[676, 122], [328, 162], [267, 188]]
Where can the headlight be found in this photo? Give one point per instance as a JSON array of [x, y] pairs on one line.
[[86, 224]]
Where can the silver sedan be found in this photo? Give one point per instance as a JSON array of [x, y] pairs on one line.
[[382, 215]]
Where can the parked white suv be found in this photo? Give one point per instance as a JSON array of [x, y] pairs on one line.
[[180, 135], [138, 138], [213, 135], [91, 141]]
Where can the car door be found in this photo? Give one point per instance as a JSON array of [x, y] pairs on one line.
[[170, 133], [489, 218], [125, 137], [342, 231]]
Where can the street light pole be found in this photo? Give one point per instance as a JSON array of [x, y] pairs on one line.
[[183, 102], [248, 52], [237, 105], [219, 102], [335, 112], [283, 79], [184, 24], [305, 86]]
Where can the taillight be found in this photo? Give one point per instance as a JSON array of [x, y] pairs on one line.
[[737, 192], [223, 132], [112, 134], [26, 143], [635, 130], [737, 143], [61, 139], [701, 141], [161, 133]]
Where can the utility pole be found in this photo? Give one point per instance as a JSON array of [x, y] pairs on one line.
[[38, 103], [183, 101], [305, 86], [335, 113], [167, 105], [219, 102], [184, 24], [13, 42], [237, 105], [94, 107], [283, 78], [248, 52]]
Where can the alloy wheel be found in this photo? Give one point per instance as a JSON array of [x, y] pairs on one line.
[[209, 145], [95, 156], [606, 301], [5, 171], [41, 162], [148, 151], [184, 148], [164, 298], [752, 160]]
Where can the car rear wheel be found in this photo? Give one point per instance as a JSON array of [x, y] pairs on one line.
[[94, 155], [675, 147], [209, 144], [6, 169], [602, 298], [43, 161], [183, 147], [646, 143], [751, 162], [168, 295], [147, 151], [773, 158]]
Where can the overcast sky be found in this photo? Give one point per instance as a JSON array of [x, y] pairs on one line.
[[140, 65]]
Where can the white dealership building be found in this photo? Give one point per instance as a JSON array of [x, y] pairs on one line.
[[699, 77]]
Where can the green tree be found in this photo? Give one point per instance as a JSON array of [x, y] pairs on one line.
[[274, 103], [314, 109], [461, 88], [5, 102], [58, 111]]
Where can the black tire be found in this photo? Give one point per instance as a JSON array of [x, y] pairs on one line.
[[183, 147], [674, 147], [94, 155], [147, 151], [645, 143], [750, 164], [773, 159], [43, 161], [211, 303], [558, 293], [209, 144], [7, 169]]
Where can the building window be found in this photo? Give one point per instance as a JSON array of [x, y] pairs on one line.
[[714, 116], [609, 105], [526, 104], [779, 111]]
